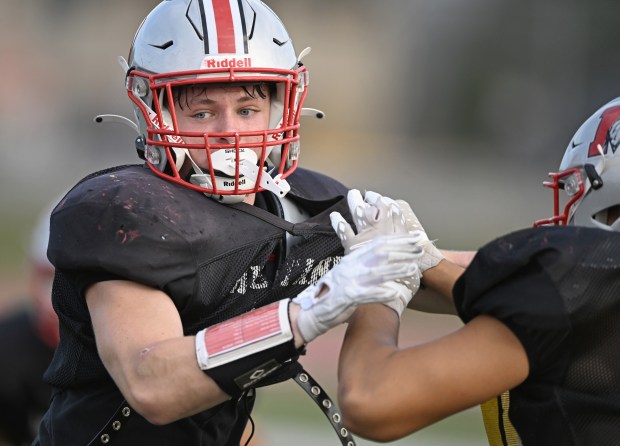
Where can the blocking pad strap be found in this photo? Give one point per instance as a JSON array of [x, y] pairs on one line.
[[114, 425], [327, 406]]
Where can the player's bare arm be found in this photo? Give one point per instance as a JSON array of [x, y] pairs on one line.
[[441, 278], [140, 340], [386, 393], [428, 299]]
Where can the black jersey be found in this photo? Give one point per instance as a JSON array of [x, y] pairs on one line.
[[558, 290], [215, 261]]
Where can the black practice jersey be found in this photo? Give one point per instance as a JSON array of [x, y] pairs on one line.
[[558, 290], [215, 261]]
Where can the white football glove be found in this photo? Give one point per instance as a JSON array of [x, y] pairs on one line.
[[359, 278], [376, 215], [432, 256], [372, 217]]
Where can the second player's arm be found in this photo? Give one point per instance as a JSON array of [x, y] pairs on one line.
[[386, 393], [430, 300]]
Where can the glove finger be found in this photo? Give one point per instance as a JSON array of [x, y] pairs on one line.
[[409, 242], [357, 208], [354, 199], [388, 215], [371, 197], [411, 220], [386, 272], [399, 224], [381, 249], [367, 294], [356, 204], [394, 251], [374, 199], [378, 206], [341, 226], [385, 294], [372, 214]]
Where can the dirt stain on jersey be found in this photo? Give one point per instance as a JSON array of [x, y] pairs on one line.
[[125, 236]]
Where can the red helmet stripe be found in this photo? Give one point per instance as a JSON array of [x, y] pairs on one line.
[[225, 26], [609, 116]]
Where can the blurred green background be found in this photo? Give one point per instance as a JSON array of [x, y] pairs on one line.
[[461, 108]]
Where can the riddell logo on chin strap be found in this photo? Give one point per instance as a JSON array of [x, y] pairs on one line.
[[230, 62]]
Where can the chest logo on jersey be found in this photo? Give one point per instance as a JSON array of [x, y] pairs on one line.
[[311, 271]]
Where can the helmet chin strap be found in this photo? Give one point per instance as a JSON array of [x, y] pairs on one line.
[[224, 161]]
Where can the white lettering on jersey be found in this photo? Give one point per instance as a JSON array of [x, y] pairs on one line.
[[312, 273]]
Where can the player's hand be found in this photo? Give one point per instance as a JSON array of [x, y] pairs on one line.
[[359, 278], [432, 256], [373, 216], [376, 215]]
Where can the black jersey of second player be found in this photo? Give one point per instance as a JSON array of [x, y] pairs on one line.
[[558, 290], [214, 261]]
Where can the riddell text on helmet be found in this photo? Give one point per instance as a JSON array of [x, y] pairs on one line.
[[232, 62]]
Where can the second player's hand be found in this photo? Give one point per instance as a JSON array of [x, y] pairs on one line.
[[373, 216]]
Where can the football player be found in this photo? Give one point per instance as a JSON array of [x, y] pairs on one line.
[[175, 278], [28, 337], [541, 309]]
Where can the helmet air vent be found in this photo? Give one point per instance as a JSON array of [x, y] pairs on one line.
[[163, 46]]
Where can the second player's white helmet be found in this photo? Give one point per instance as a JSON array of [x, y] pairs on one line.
[[199, 43], [587, 186]]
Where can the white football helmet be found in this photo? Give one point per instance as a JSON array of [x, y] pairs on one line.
[[589, 174], [202, 42]]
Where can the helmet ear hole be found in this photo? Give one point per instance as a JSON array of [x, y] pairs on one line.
[[140, 147], [613, 215]]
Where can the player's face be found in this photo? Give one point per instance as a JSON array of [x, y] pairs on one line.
[[222, 109]]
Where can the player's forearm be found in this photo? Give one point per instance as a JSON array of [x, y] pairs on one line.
[[442, 277], [371, 337], [163, 382], [438, 297], [461, 258], [386, 393], [430, 301]]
